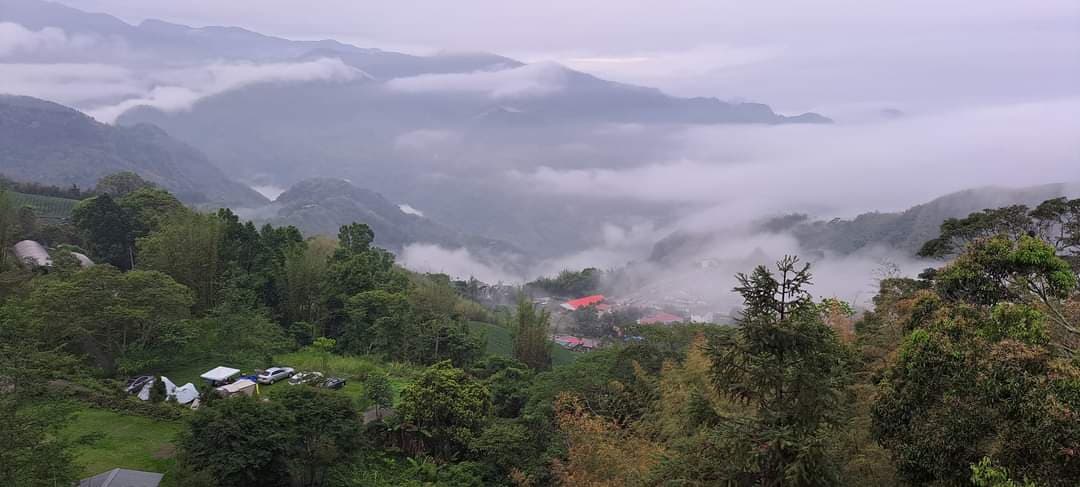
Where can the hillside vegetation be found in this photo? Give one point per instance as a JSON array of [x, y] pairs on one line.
[[962, 374]]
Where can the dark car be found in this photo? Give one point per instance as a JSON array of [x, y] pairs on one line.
[[135, 385], [334, 383]]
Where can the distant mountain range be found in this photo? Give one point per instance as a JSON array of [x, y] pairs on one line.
[[44, 142], [904, 231], [321, 206], [440, 132]]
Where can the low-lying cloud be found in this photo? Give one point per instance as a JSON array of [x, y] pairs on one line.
[[51, 43], [457, 263], [180, 89], [70, 84], [842, 169], [524, 81], [726, 178]]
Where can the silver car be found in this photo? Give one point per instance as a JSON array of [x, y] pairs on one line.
[[274, 374]]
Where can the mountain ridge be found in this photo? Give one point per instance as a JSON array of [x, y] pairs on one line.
[[49, 143]]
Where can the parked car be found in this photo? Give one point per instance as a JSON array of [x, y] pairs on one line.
[[306, 378], [135, 384], [274, 374], [334, 383]]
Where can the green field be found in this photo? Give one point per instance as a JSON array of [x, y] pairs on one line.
[[105, 440], [499, 343], [352, 368], [45, 207]]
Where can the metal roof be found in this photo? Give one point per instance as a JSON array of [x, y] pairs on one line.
[[122, 477], [31, 252]]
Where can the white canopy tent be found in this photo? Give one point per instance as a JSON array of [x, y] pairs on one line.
[[220, 374]]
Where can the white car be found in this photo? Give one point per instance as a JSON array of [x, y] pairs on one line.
[[306, 378], [274, 374]]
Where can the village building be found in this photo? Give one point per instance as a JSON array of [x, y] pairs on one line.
[[122, 477], [660, 318], [575, 304]]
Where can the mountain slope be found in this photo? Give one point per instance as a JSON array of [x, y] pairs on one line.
[[322, 205], [905, 231], [45, 142]]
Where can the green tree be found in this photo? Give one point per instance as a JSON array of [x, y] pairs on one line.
[[305, 271], [791, 368], [243, 441], [30, 425], [8, 227], [108, 230], [985, 474], [121, 184], [972, 381], [1058, 222], [956, 233], [354, 239], [157, 391], [532, 343], [447, 407], [149, 208], [327, 430], [124, 322], [378, 392], [236, 333], [186, 247], [1025, 270], [380, 322], [356, 268]]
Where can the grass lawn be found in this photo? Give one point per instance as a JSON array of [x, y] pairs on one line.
[[499, 343], [105, 440], [352, 368]]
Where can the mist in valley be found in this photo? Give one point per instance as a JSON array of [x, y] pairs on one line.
[[585, 150]]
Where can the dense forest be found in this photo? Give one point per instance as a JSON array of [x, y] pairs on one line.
[[964, 375]]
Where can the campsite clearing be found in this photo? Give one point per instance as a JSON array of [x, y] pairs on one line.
[[104, 440]]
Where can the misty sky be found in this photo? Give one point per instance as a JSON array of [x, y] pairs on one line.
[[847, 58]]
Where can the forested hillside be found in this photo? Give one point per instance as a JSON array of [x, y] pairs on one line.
[[321, 206], [48, 143], [964, 375]]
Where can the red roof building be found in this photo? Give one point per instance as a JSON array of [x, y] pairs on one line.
[[574, 304], [660, 318]]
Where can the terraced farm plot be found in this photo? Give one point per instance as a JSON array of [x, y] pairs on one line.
[[48, 208]]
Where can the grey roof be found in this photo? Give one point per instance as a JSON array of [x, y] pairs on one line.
[[122, 477], [31, 252]]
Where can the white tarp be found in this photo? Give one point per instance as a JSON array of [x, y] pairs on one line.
[[218, 374], [144, 394], [170, 388], [187, 393], [84, 261], [242, 386]]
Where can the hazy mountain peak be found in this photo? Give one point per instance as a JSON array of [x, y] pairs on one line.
[[50, 143]]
